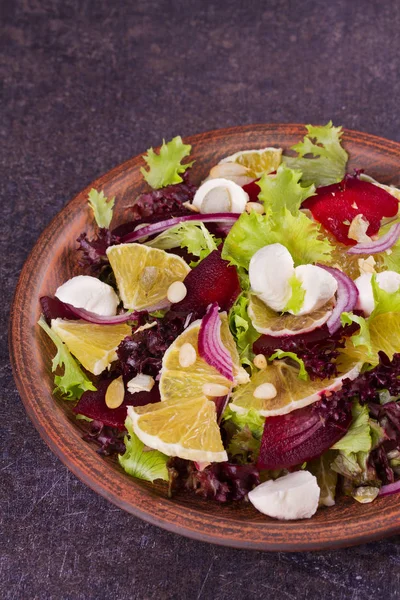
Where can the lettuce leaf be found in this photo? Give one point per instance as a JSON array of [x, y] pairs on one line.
[[102, 207], [296, 300], [138, 462], [165, 168], [358, 437], [283, 191], [392, 260], [380, 332], [328, 160], [251, 419], [300, 235], [193, 236], [302, 369], [242, 328], [385, 302], [326, 477], [73, 382], [244, 433]]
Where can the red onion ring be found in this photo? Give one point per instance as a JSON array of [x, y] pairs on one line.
[[154, 228], [384, 243], [92, 317], [211, 347], [346, 297], [391, 488]]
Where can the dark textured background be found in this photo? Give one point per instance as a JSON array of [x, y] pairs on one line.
[[85, 85]]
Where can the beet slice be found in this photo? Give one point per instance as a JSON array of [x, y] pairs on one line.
[[253, 189], [340, 202], [93, 405], [213, 280], [304, 434], [53, 308]]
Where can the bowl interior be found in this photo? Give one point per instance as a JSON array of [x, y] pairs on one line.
[[53, 260]]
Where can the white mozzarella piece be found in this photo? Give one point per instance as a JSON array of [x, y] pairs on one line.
[[293, 496], [319, 286], [89, 293], [270, 269], [220, 195], [389, 281]]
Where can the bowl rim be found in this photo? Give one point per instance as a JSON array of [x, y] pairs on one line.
[[82, 471]]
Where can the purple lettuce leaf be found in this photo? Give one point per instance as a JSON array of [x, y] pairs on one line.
[[158, 205], [222, 482], [109, 439], [143, 352], [93, 252]]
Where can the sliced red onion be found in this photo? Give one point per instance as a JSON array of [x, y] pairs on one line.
[[211, 348], [154, 228], [346, 297], [384, 243], [391, 488], [92, 317]]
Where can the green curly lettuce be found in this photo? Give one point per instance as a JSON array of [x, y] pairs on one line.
[[293, 356], [102, 207], [299, 234], [242, 329], [380, 332], [194, 236], [283, 190], [320, 156], [165, 168], [139, 462], [73, 383]]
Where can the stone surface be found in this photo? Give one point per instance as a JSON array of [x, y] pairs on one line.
[[85, 85]]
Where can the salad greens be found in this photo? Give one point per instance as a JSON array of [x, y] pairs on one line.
[[73, 383], [296, 300], [347, 429], [166, 168], [328, 160], [140, 462], [242, 329], [283, 190], [193, 236], [300, 235], [102, 207], [293, 356]]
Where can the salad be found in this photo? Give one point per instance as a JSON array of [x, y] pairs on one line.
[[240, 339]]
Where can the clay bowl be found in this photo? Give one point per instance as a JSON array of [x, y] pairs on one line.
[[52, 261]]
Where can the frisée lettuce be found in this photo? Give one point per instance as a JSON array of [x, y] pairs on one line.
[[327, 158], [102, 207], [165, 168], [140, 462], [73, 382]]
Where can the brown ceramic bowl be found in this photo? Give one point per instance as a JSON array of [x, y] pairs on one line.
[[52, 261]]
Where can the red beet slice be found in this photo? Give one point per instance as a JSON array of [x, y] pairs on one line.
[[290, 440], [213, 280], [253, 189], [343, 201], [93, 405]]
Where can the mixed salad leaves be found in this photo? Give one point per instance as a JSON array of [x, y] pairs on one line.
[[241, 339]]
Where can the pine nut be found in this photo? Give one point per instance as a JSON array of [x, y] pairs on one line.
[[176, 292], [265, 391], [260, 361], [215, 390], [187, 355], [255, 207]]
